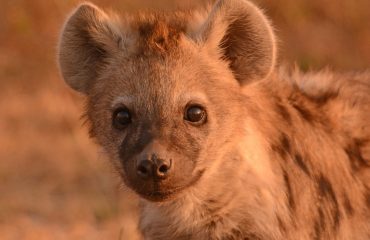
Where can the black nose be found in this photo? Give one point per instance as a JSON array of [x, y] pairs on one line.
[[154, 168]]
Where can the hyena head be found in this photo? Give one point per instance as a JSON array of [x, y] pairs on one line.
[[164, 90]]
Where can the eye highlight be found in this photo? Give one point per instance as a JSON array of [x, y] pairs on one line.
[[121, 118], [195, 114]]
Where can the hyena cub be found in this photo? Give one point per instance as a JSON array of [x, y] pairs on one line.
[[217, 142]]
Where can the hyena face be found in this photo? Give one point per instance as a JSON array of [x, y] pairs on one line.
[[164, 91], [161, 123]]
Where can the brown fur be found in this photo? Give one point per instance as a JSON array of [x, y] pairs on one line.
[[282, 155]]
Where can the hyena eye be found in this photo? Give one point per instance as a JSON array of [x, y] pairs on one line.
[[195, 114], [121, 117]]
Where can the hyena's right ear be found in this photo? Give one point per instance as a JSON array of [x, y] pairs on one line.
[[88, 39], [238, 32]]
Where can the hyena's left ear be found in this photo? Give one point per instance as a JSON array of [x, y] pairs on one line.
[[89, 38], [240, 33]]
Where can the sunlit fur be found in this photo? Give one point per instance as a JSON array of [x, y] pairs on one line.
[[283, 155]]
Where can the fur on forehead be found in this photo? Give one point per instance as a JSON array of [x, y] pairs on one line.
[[157, 32]]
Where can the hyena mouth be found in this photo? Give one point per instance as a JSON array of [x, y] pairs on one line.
[[158, 194]]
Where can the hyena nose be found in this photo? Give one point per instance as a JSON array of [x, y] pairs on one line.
[[155, 168]]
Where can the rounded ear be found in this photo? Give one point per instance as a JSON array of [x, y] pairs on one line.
[[88, 38], [240, 33]]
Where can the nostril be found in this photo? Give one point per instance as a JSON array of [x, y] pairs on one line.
[[163, 167], [144, 169]]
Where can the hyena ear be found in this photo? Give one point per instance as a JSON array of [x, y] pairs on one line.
[[88, 39], [241, 34]]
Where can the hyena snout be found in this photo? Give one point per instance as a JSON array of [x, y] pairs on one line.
[[153, 167], [154, 163]]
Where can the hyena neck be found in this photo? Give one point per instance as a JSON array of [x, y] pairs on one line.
[[308, 144], [227, 208]]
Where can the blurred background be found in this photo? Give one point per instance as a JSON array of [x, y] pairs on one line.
[[54, 183]]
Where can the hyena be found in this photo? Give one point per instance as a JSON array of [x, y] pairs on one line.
[[217, 141]]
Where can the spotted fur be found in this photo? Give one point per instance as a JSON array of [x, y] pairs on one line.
[[282, 155]]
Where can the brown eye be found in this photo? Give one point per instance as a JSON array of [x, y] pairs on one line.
[[195, 114], [121, 118]]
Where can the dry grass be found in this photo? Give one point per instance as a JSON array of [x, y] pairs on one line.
[[54, 182]]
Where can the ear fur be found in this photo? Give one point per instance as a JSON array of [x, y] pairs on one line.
[[241, 34], [88, 38]]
